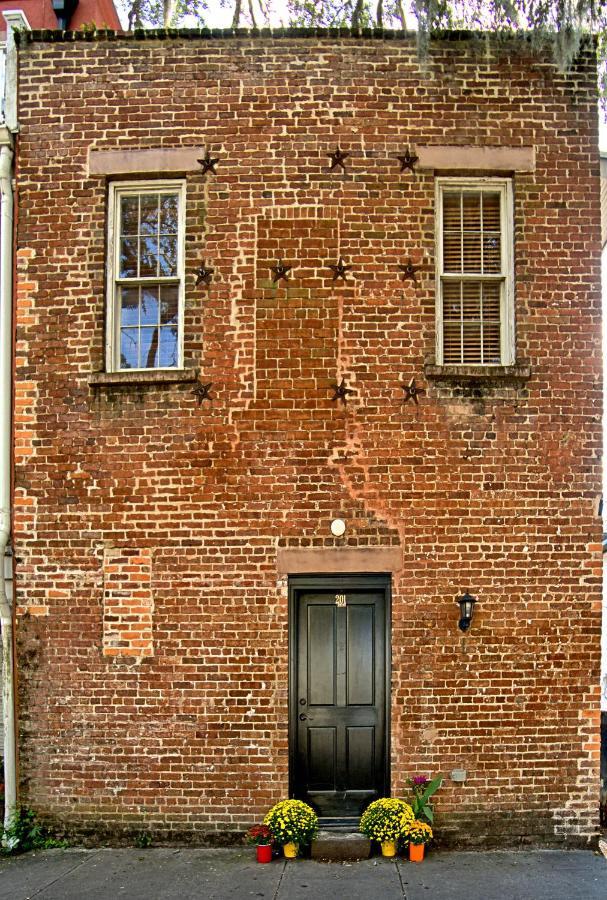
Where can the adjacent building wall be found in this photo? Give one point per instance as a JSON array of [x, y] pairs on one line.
[[489, 485]]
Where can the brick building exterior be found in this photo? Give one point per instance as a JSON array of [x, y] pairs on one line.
[[167, 541]]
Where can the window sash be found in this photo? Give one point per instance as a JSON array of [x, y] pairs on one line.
[[116, 283], [504, 277]]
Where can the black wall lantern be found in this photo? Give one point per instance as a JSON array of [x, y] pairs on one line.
[[466, 611]]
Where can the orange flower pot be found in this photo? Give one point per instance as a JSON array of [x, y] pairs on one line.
[[416, 852]]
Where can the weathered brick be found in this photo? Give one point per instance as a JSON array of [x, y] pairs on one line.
[[146, 523]]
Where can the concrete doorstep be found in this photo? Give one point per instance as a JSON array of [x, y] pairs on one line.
[[173, 874], [340, 846]]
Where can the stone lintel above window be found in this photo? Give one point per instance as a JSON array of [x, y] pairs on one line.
[[157, 161], [467, 158]]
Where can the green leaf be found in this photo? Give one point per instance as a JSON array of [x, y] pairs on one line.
[[427, 812], [431, 789]]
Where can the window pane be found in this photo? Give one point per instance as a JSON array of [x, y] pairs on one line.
[[452, 343], [491, 343], [491, 301], [471, 211], [148, 216], [167, 259], [129, 306], [129, 215], [452, 211], [471, 301], [169, 304], [168, 214], [129, 348], [149, 348], [149, 305], [492, 252], [471, 343], [472, 252], [491, 212], [168, 346], [148, 249], [452, 251], [128, 258], [452, 303]]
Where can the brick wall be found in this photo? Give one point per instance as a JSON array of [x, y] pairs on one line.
[[153, 619]]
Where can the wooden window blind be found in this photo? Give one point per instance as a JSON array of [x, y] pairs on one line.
[[474, 271]]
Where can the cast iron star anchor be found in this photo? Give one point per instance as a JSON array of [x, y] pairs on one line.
[[281, 271], [204, 275], [337, 159], [409, 271], [201, 391], [340, 392], [208, 164], [412, 392], [340, 270], [407, 161]]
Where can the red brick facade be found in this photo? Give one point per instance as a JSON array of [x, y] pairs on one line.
[[150, 523]]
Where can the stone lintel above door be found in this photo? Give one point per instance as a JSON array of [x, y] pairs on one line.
[[339, 560]]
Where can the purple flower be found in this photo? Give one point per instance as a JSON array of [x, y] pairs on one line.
[[419, 780]]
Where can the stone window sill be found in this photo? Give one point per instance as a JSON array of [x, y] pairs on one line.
[[153, 376], [478, 374]]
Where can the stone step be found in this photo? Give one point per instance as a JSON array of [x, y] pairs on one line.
[[340, 846]]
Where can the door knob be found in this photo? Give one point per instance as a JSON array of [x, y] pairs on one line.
[[303, 717]]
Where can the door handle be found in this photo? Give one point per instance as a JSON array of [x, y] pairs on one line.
[[303, 717]]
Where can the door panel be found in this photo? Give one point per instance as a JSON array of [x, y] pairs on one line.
[[360, 757], [338, 694], [361, 672], [321, 655], [321, 758]]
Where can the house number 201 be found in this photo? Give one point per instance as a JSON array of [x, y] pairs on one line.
[[340, 599]]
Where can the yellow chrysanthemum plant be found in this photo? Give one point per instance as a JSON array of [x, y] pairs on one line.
[[292, 821], [419, 832], [387, 819]]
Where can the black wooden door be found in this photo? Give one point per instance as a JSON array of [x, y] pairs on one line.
[[339, 696]]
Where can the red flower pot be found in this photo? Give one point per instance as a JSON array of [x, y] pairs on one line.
[[264, 853]]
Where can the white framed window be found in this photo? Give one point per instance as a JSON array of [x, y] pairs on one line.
[[146, 275], [474, 272]]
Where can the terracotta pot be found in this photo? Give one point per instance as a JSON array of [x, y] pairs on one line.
[[264, 853], [388, 848], [290, 850], [416, 852]]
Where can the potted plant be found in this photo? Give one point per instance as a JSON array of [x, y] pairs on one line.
[[419, 834], [262, 838], [293, 824], [422, 789], [387, 821]]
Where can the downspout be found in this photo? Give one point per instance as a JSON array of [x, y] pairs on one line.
[[6, 346]]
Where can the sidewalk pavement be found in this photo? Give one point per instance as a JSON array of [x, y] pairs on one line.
[[172, 874]]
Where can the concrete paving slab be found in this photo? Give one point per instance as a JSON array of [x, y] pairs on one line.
[[25, 876], [370, 878], [498, 875], [172, 874], [153, 874]]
